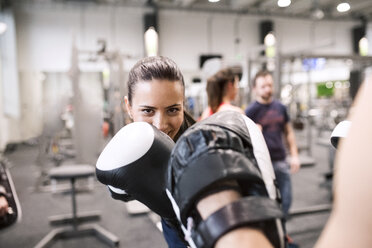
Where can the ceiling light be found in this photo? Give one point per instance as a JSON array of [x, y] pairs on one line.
[[213, 1], [317, 14], [269, 39], [343, 7], [363, 46], [284, 3], [329, 85], [3, 27], [151, 42]]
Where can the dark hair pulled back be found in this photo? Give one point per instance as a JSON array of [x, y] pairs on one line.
[[216, 87], [150, 68]]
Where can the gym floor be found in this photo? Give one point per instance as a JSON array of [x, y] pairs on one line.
[[310, 188]]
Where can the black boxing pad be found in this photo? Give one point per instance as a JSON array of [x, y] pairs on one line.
[[133, 165], [225, 147]]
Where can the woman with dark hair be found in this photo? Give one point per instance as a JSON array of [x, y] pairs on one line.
[[221, 90], [156, 95]]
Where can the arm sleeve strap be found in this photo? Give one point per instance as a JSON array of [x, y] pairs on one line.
[[251, 211]]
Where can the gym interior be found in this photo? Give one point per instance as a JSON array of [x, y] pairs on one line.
[[64, 69]]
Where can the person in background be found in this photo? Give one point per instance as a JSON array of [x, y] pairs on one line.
[[222, 89], [272, 118], [156, 95]]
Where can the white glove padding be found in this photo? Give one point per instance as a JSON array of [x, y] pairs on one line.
[[339, 132]]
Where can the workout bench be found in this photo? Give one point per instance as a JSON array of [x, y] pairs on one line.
[[73, 172]]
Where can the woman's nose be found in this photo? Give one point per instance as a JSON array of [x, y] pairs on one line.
[[160, 122]]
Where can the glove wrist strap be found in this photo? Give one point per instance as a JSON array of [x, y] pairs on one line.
[[251, 211]]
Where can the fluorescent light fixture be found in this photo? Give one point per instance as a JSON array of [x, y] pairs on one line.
[[343, 7], [3, 27], [213, 1], [363, 46], [269, 39], [269, 42], [151, 42], [284, 3]]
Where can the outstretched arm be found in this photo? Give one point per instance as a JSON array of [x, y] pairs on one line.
[[232, 189], [238, 238], [350, 222]]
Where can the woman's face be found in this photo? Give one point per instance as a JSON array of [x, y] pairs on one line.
[[160, 103]]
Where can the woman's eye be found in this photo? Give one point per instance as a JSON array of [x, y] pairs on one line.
[[173, 110], [147, 111]]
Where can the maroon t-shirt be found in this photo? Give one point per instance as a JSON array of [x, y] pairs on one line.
[[272, 117]]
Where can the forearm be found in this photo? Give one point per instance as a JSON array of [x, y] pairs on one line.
[[241, 237], [292, 145], [291, 140]]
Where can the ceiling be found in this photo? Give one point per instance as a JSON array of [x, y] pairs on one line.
[[298, 8], [307, 9]]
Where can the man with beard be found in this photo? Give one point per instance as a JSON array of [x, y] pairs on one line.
[[272, 118]]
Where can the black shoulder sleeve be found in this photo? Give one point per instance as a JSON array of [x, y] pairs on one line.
[[188, 121]]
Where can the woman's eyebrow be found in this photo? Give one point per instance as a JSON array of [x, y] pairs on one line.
[[145, 106], [174, 105]]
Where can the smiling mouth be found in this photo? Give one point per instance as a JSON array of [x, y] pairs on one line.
[[167, 132]]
